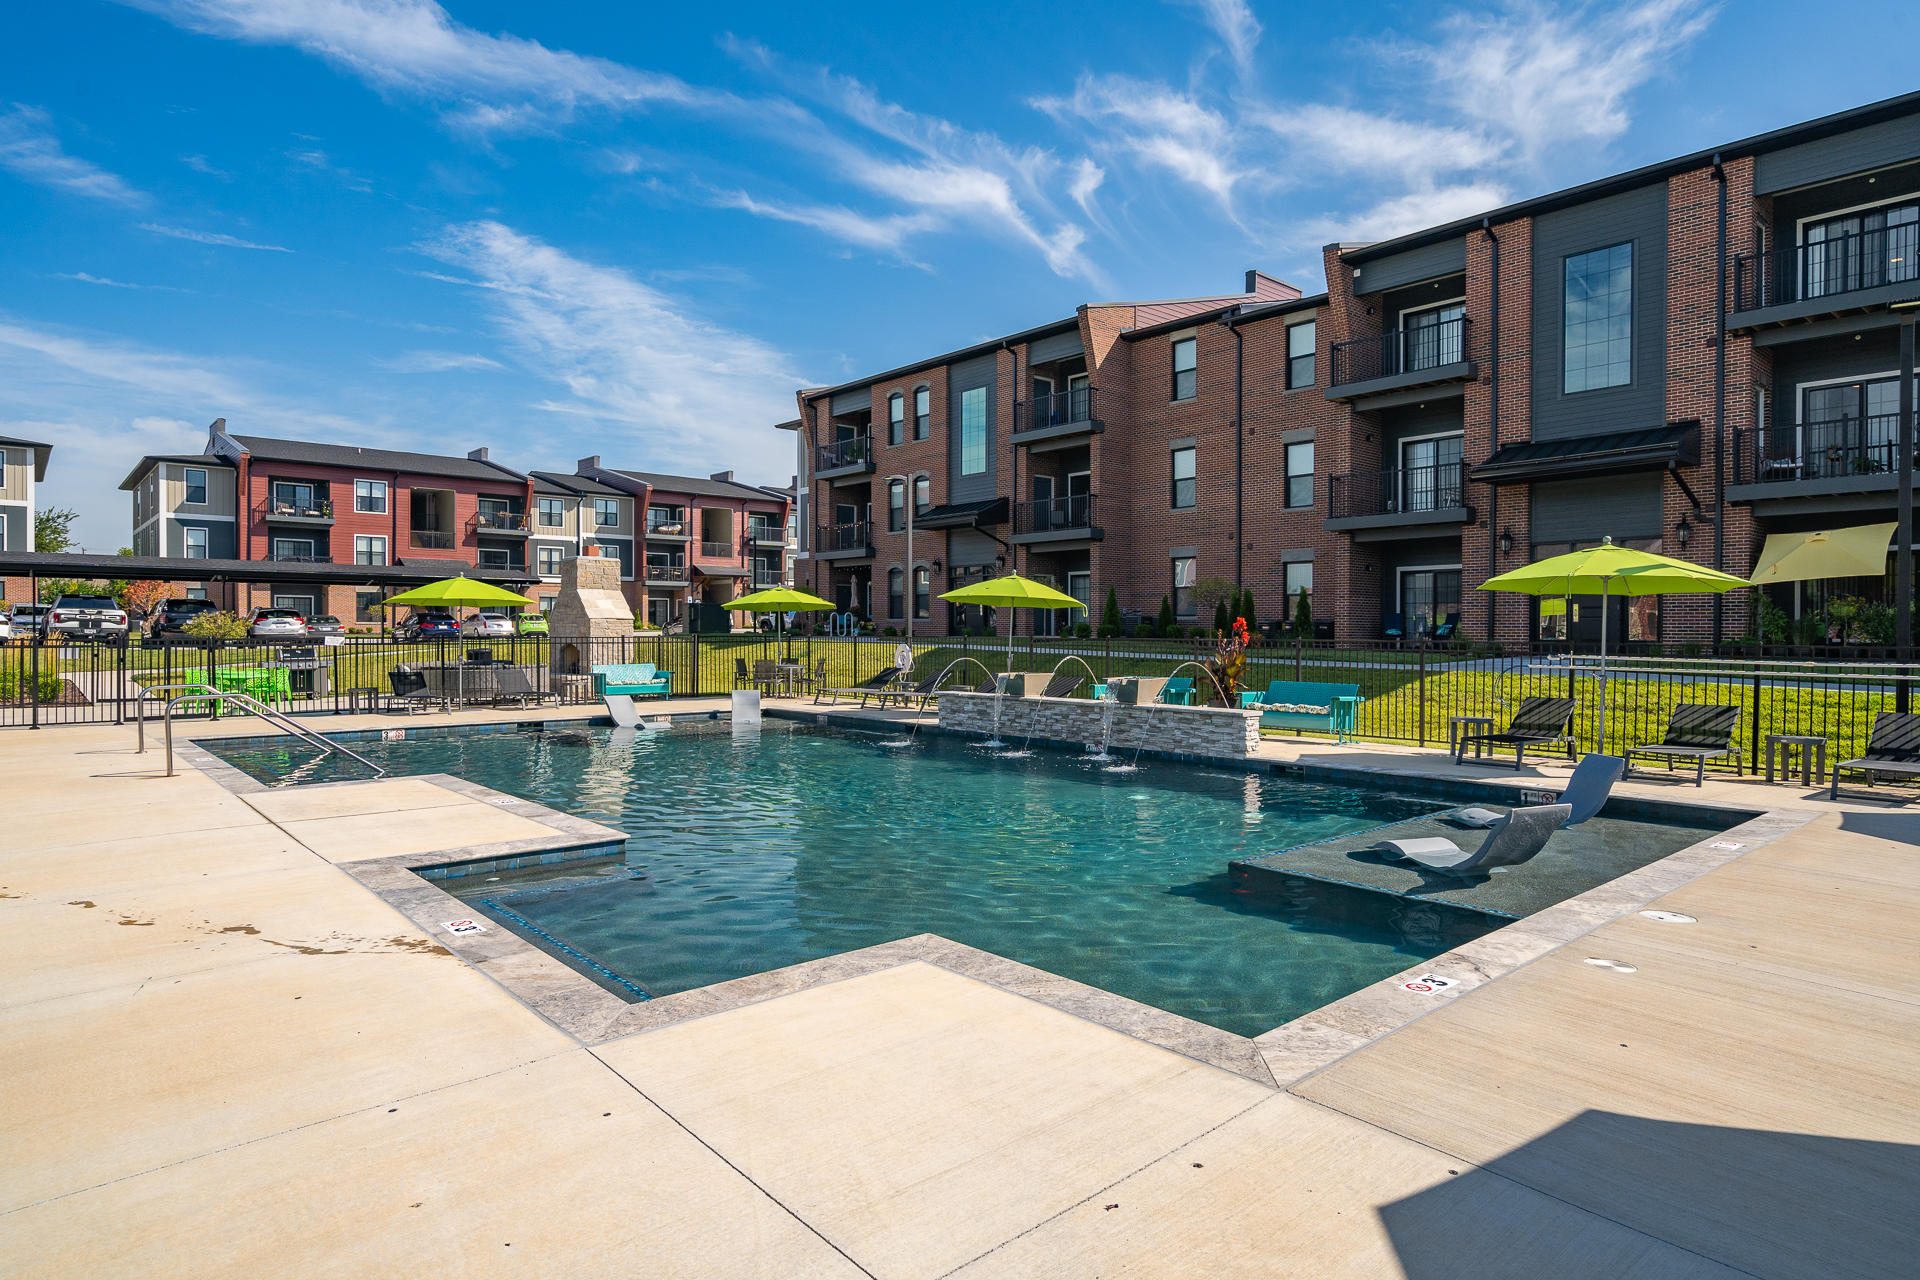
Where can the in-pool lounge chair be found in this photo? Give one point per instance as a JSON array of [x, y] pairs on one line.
[[1536, 722], [1510, 841], [1696, 731], [1591, 784], [1893, 748], [879, 682]]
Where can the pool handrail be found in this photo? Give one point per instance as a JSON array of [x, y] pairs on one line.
[[277, 719]]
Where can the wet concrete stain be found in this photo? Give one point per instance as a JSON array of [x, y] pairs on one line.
[[80, 902], [129, 920], [340, 945], [238, 928]]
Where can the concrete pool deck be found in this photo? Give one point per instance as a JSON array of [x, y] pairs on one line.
[[226, 1055]]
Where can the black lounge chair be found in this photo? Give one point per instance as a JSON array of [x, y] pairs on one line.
[[410, 693], [1062, 685], [919, 694], [1893, 748], [1536, 722], [1697, 731], [877, 683], [510, 684]]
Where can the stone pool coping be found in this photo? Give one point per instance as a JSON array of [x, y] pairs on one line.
[[594, 1015]]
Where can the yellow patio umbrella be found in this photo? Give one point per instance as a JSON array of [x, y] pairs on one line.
[[1858, 552], [780, 601], [458, 592], [1010, 593]]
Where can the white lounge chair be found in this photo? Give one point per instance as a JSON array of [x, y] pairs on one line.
[[1512, 840]]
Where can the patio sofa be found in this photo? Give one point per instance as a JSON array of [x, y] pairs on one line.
[[1334, 707], [634, 679]]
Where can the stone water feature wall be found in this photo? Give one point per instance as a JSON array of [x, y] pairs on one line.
[[1202, 731]]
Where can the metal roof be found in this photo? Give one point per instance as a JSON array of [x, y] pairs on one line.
[[1579, 456], [40, 449], [574, 486], [268, 449], [149, 461], [699, 485]]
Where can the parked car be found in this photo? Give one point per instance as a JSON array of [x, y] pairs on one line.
[[171, 616], [27, 620], [530, 624], [6, 626], [86, 618], [325, 624], [433, 624], [277, 624], [487, 624]]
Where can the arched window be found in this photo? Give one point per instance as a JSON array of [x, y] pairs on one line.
[[922, 592], [922, 495], [896, 417], [922, 413], [896, 505], [896, 604]]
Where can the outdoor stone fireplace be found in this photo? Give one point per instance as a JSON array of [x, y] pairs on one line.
[[589, 617]]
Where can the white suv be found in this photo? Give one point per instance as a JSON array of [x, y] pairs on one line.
[[86, 618], [277, 624]]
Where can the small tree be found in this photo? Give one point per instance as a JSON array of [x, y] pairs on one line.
[[1303, 616], [1222, 617], [1165, 624], [53, 529], [143, 596], [216, 624], [1246, 610], [1110, 624]]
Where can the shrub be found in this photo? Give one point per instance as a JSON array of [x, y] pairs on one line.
[[216, 624], [1110, 616], [1082, 630], [14, 683], [1222, 617], [1807, 629], [1303, 615], [1164, 624], [890, 631], [1246, 610], [1875, 623]]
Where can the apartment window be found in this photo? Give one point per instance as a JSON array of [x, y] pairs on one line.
[[1598, 327], [366, 606], [369, 549], [896, 507], [922, 413], [896, 593], [490, 557], [973, 431], [552, 513], [1300, 346], [196, 593], [293, 549], [196, 543], [896, 417], [1428, 596], [606, 512], [1300, 474], [197, 486], [370, 496], [549, 561], [1186, 368], [922, 593], [1183, 477], [1185, 574], [922, 495]]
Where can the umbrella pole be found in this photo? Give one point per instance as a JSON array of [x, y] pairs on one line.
[[1602, 745]]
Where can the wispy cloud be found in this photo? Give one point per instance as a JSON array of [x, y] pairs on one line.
[[84, 277], [1158, 128], [437, 362], [30, 151], [683, 391], [200, 164], [210, 237], [887, 233], [1233, 22], [314, 160]]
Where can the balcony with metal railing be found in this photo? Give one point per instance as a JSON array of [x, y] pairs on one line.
[[1416, 356], [717, 550], [1073, 412], [302, 508], [1816, 459], [764, 577], [663, 571], [766, 533], [504, 524], [850, 457], [843, 541], [1842, 273], [431, 539], [1410, 498], [1067, 518]]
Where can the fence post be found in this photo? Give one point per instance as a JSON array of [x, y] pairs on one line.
[[213, 667], [1754, 762], [120, 681], [697, 686], [1423, 695], [33, 696]]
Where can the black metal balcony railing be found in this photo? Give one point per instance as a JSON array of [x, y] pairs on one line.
[[844, 453], [1398, 351], [500, 563], [431, 539], [1050, 515], [716, 550], [1060, 409], [1831, 450], [500, 522], [293, 508], [768, 578], [844, 537], [1395, 491], [299, 557], [1835, 266], [666, 570], [758, 532], [662, 522]]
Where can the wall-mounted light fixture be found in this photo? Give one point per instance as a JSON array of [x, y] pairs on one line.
[[1506, 542], [1683, 531]]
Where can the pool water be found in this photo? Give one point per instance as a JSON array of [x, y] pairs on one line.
[[752, 849]]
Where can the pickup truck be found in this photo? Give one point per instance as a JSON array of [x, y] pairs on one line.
[[86, 618]]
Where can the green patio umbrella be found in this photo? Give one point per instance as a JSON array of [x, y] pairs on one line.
[[1606, 571], [781, 601], [459, 592], [1010, 593]]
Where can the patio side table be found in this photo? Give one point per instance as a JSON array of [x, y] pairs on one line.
[[364, 698], [1461, 726], [1813, 756]]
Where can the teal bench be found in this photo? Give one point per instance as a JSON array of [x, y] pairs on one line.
[[635, 679], [1342, 702]]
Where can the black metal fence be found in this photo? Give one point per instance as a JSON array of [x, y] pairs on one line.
[[1398, 351], [1839, 264], [1395, 490], [1841, 448]]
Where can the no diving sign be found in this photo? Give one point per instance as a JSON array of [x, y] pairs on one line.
[[1428, 984], [464, 926]]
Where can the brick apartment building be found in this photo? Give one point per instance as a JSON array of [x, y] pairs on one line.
[[1687, 358]]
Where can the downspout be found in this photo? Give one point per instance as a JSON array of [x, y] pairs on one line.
[[1720, 401], [1493, 421], [1013, 460], [1239, 449]]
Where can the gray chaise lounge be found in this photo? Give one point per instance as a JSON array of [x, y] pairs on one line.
[[1512, 840], [1697, 731]]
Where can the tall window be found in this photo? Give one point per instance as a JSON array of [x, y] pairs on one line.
[[370, 496], [366, 606], [549, 561], [1183, 477], [196, 544], [606, 512], [922, 495], [922, 413], [1300, 474], [1432, 337], [1186, 368], [922, 593], [896, 507], [552, 513], [896, 417], [973, 431], [1298, 581], [369, 549], [1300, 344], [1428, 596], [1185, 573], [1598, 326], [896, 593], [196, 486]]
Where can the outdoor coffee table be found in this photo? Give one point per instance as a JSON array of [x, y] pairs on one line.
[[1813, 756], [1459, 726]]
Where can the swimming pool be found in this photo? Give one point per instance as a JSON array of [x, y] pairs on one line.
[[755, 849]]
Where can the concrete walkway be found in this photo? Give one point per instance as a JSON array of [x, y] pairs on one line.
[[224, 1056]]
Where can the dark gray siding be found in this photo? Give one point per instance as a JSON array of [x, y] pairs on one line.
[[982, 371], [852, 401], [1877, 351], [1641, 218], [1412, 266], [966, 547], [1057, 347], [1430, 419], [15, 519], [1886, 143], [1415, 297], [1850, 193], [222, 537], [1623, 506]]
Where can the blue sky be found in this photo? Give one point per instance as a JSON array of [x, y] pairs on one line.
[[632, 230]]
